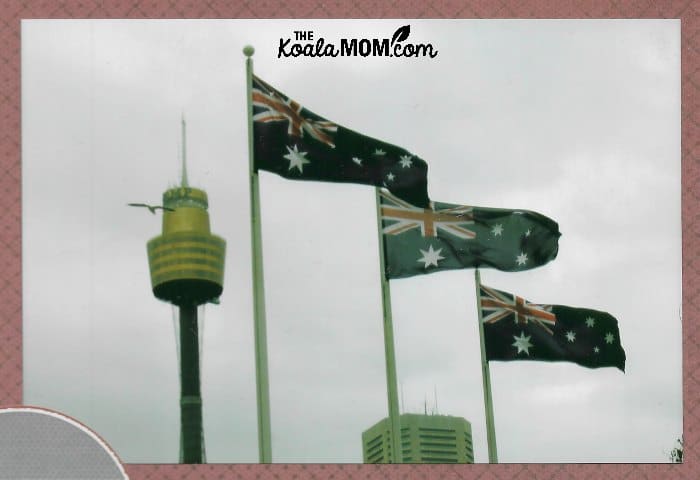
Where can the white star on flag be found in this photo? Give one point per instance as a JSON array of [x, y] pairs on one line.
[[379, 151], [497, 230], [430, 257], [390, 177], [609, 338], [522, 343], [590, 322], [521, 259], [357, 160], [406, 161], [596, 349], [570, 336], [296, 159]]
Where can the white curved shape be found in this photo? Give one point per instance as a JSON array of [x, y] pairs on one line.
[[37, 443]]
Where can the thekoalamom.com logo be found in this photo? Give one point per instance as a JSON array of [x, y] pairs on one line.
[[397, 46]]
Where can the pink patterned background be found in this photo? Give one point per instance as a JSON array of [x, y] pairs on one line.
[[11, 209]]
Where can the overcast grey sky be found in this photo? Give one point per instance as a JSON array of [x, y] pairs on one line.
[[578, 120]]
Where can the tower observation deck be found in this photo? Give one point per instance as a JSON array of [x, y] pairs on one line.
[[187, 260]]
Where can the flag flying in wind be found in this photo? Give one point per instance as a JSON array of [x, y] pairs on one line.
[[295, 143], [446, 236], [515, 329]]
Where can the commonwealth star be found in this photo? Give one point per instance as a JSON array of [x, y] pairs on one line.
[[296, 159], [522, 343], [430, 256]]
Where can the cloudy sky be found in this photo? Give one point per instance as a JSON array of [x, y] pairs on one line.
[[578, 120]]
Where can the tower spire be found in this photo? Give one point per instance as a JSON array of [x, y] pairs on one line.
[[184, 182]]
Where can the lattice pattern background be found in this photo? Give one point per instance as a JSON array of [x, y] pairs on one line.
[[11, 210]]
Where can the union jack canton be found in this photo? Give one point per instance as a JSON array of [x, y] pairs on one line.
[[405, 216], [281, 109], [497, 306]]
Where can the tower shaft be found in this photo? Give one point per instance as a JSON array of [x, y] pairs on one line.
[[192, 441]]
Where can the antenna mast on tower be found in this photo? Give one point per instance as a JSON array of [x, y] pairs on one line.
[[184, 182], [436, 406]]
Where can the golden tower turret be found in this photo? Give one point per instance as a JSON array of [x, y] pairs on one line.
[[186, 261]]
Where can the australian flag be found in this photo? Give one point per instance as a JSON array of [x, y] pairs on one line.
[[295, 143], [515, 329], [448, 236]]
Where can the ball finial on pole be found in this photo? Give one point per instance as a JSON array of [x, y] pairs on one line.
[[248, 51]]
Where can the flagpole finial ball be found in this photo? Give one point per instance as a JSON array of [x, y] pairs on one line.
[[248, 51]]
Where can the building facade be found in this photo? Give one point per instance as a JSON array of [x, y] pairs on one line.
[[424, 439]]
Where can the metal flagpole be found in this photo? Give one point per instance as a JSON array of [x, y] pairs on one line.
[[486, 377], [390, 357], [260, 328]]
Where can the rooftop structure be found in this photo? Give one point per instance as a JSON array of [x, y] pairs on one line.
[[424, 439]]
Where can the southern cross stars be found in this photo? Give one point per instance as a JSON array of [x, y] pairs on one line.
[[522, 343], [296, 159], [609, 338], [570, 336], [521, 259], [406, 161], [430, 256], [590, 322], [357, 160], [497, 230]]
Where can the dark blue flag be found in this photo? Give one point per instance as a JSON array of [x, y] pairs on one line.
[[515, 329], [295, 143]]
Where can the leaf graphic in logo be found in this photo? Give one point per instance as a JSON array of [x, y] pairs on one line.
[[401, 34]]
